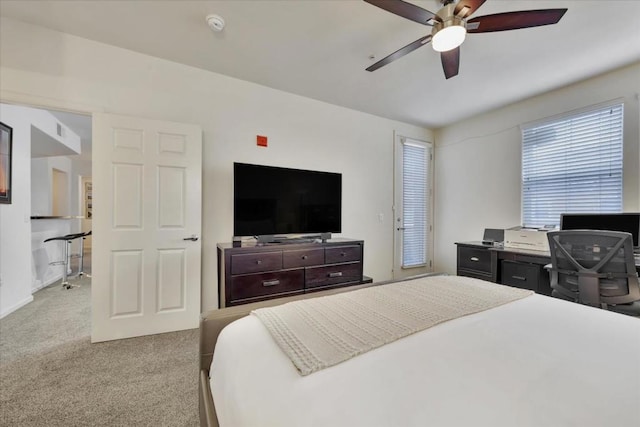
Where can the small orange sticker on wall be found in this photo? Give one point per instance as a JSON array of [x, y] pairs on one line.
[[262, 140]]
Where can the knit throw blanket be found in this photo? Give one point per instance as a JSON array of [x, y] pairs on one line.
[[320, 332]]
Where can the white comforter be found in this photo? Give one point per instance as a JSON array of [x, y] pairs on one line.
[[538, 361]]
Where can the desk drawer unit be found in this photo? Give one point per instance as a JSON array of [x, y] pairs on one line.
[[520, 275], [475, 259], [477, 262]]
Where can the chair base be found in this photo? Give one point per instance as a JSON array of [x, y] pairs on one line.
[[632, 309], [66, 284]]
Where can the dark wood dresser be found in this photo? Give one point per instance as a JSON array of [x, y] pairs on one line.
[[253, 272]]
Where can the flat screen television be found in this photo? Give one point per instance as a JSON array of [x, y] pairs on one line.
[[270, 200], [627, 222]]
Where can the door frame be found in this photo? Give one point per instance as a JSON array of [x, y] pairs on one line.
[[398, 271], [33, 101]]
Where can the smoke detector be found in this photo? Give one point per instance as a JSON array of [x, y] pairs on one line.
[[215, 22]]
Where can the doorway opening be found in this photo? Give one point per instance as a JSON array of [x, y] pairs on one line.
[[56, 161]]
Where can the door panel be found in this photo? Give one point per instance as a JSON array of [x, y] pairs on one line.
[[146, 201], [171, 201], [171, 283], [128, 195], [126, 283]]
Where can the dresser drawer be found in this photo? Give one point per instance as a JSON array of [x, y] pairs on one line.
[[256, 262], [519, 275], [476, 259], [302, 258], [258, 285], [342, 254], [332, 274]]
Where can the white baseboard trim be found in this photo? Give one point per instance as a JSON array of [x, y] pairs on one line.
[[42, 285], [13, 308]]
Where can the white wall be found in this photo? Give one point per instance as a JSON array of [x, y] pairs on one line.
[[478, 161], [42, 181], [15, 228], [42, 254], [40, 187], [63, 71]]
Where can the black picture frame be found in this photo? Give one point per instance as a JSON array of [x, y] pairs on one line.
[[6, 152]]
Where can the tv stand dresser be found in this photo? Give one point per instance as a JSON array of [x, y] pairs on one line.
[[254, 272]]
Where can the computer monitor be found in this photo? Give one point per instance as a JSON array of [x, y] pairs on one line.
[[627, 222]]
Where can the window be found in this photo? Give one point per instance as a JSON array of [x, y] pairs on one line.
[[572, 164]]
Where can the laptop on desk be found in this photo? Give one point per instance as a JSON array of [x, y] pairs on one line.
[[493, 236]]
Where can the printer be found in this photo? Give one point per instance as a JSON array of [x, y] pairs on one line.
[[533, 239]]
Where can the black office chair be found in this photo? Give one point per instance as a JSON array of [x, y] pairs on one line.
[[595, 268]]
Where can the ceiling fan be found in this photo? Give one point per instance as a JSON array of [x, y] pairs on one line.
[[451, 25]]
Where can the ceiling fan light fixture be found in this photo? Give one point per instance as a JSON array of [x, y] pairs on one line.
[[449, 37]]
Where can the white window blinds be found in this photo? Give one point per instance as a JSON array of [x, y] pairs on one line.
[[572, 164], [415, 203]]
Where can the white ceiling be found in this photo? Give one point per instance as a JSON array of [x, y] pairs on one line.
[[320, 48]]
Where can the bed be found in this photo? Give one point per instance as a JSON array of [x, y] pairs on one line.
[[533, 361]]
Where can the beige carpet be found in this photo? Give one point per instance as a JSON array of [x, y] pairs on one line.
[[51, 375]]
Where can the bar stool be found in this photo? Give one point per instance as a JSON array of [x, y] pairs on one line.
[[81, 255], [67, 255]]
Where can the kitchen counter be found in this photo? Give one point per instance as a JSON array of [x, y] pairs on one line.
[[57, 217]]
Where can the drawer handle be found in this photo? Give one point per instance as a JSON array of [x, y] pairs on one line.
[[524, 279], [259, 261], [343, 254], [270, 282], [336, 274], [304, 257], [474, 259]]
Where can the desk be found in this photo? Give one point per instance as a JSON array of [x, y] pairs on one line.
[[509, 266]]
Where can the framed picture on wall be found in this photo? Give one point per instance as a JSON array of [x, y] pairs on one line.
[[88, 200], [6, 134]]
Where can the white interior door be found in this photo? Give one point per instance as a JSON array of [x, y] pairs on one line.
[[146, 204], [412, 208]]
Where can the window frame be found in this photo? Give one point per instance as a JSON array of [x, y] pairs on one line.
[[565, 117]]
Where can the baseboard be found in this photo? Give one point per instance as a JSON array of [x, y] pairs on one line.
[[13, 308], [43, 285]]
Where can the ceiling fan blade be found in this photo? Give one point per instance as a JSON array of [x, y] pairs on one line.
[[400, 52], [404, 9], [514, 20], [472, 6], [450, 62]]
